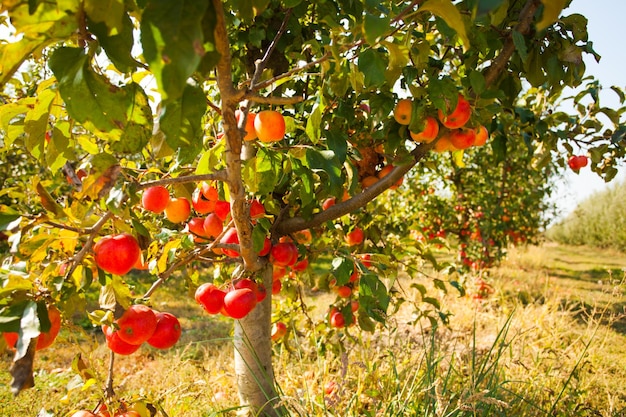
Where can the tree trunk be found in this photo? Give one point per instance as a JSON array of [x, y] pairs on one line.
[[253, 356]]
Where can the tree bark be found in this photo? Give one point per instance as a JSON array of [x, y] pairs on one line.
[[253, 357]]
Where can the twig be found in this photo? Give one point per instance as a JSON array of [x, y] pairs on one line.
[[266, 83], [280, 101], [193, 255], [108, 389], [216, 176], [526, 17], [260, 65]]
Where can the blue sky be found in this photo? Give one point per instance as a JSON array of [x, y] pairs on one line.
[[607, 31]]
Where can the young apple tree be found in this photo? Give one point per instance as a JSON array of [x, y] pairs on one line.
[[230, 138]]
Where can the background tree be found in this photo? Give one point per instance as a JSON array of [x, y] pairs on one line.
[[152, 93]]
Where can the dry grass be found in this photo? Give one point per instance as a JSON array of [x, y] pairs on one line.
[[548, 341]]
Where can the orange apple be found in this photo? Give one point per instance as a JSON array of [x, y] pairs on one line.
[[462, 138], [385, 171], [402, 111], [178, 210], [429, 133], [459, 116], [482, 134], [249, 127], [269, 126]]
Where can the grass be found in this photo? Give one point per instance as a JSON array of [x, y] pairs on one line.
[[549, 341]]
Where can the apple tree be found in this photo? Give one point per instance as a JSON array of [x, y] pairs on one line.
[[232, 139]]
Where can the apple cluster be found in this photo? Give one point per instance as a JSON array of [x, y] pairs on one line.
[[453, 136], [141, 324]]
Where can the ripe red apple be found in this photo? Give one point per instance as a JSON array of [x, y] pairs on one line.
[[167, 331], [337, 320], [576, 162], [210, 298], [116, 344], [212, 225], [343, 291], [300, 265], [284, 254], [230, 237], [117, 254], [137, 324], [239, 302], [196, 227], [355, 237], [222, 209], [256, 209], [45, 339], [267, 246], [328, 203], [201, 204], [279, 330], [155, 199]]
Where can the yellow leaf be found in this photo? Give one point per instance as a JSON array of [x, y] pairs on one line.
[[457, 157], [446, 10], [551, 11]]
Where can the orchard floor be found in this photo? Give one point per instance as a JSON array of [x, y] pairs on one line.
[[550, 340]]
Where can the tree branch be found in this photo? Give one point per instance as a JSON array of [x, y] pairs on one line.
[[216, 176], [260, 65], [526, 17], [295, 224], [280, 101], [233, 137]]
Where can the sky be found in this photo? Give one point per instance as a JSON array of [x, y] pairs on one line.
[[607, 31]]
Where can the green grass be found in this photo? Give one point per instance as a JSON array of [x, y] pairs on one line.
[[550, 340]]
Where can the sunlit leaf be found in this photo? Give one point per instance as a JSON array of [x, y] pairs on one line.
[[551, 11], [446, 10], [172, 40]]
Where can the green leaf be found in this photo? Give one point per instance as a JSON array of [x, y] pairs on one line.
[[446, 10], [29, 329], [262, 173], [7, 216], [337, 141], [375, 26], [477, 81], [520, 45], [314, 123], [487, 6], [109, 12], [373, 65], [342, 268], [120, 114], [182, 123], [172, 40], [551, 11], [327, 162], [117, 46]]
